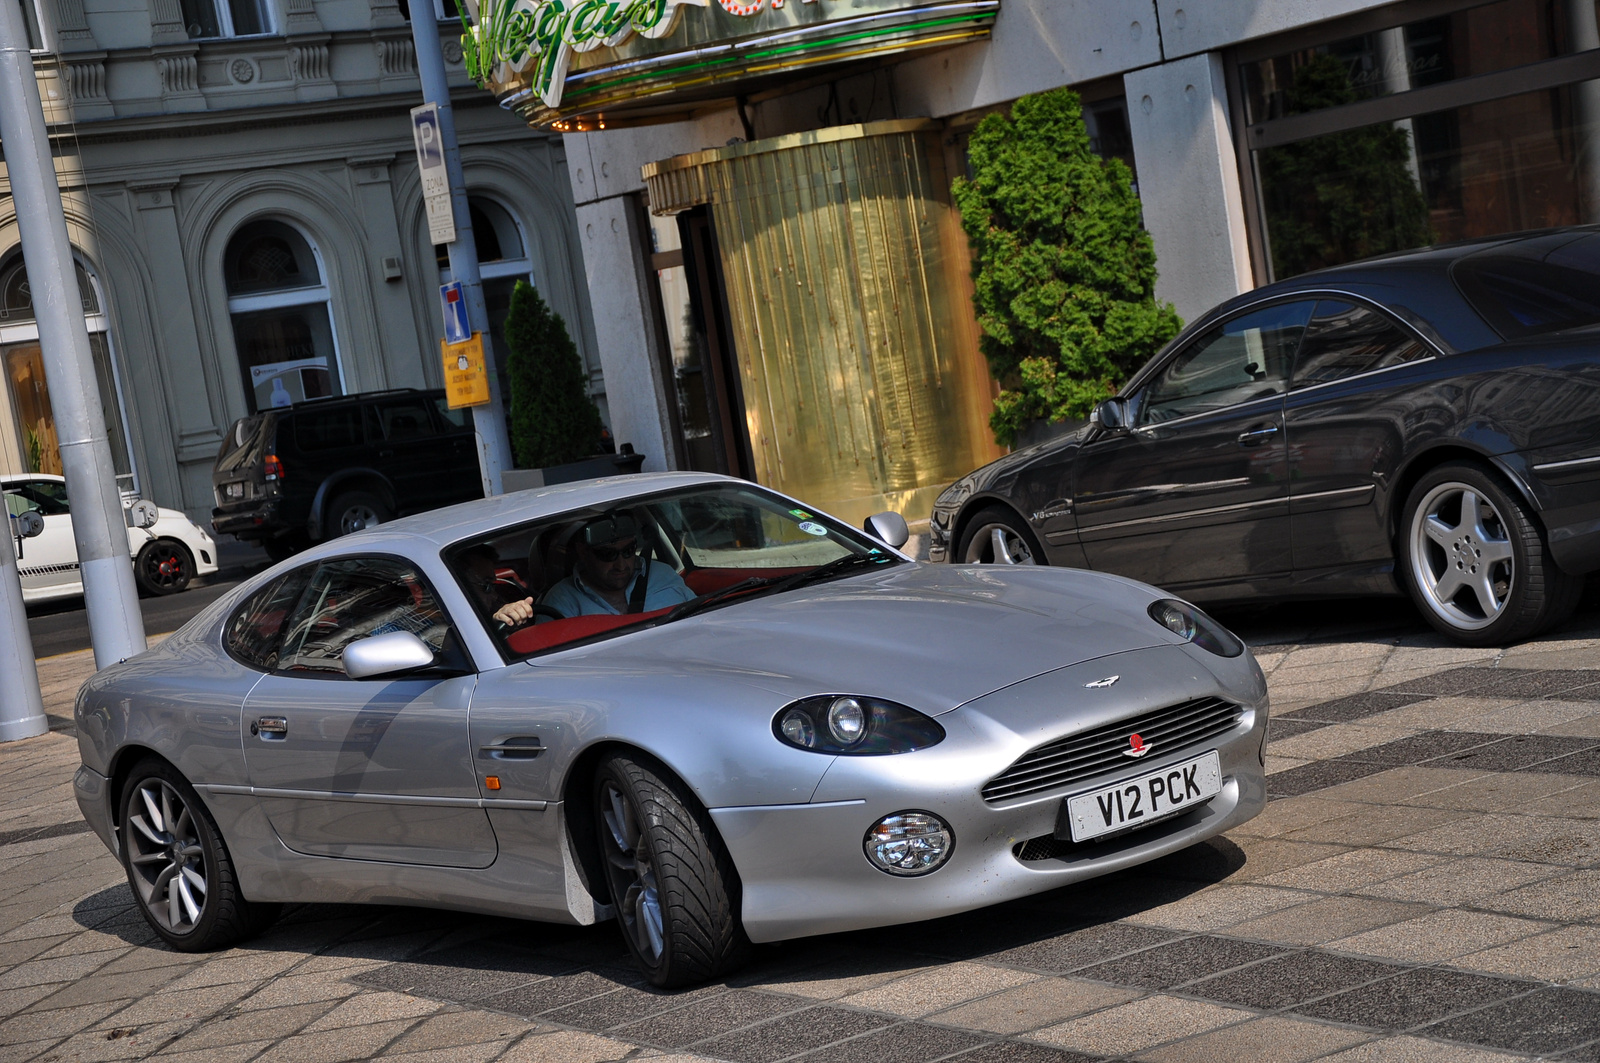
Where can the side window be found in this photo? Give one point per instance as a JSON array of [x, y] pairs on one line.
[[405, 420], [47, 496], [1344, 339], [329, 429], [1239, 360], [254, 631], [353, 598], [452, 418]]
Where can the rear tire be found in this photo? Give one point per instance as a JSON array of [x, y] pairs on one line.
[[1475, 560], [354, 511], [673, 885], [997, 536], [180, 871], [163, 566]]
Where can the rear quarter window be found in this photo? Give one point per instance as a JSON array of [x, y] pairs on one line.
[[1543, 284], [244, 442]]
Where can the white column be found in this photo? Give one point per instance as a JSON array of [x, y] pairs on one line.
[[636, 396], [1189, 182]]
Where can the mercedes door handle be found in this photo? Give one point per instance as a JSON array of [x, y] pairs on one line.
[[270, 727], [516, 747], [1254, 437]]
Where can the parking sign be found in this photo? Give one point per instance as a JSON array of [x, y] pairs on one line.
[[426, 132]]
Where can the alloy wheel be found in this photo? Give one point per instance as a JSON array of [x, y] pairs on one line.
[[166, 856], [631, 867], [998, 544], [1461, 555], [164, 566], [356, 517]]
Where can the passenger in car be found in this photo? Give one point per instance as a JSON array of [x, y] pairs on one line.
[[606, 577], [503, 599]]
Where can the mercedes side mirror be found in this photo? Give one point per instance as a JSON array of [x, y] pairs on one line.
[[389, 654], [889, 528], [1111, 416]]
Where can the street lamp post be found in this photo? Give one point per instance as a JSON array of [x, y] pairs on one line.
[[488, 419], [111, 601]]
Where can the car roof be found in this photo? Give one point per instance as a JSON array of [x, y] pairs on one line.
[[8, 477], [468, 520]]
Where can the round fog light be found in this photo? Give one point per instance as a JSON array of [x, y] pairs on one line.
[[909, 843]]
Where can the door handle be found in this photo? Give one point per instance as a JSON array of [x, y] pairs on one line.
[[1252, 437], [269, 726], [516, 747]]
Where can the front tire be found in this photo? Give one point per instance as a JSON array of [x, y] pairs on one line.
[[163, 566], [1475, 559], [180, 871], [673, 885], [997, 536]]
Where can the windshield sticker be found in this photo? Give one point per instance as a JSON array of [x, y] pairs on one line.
[[802, 514], [812, 528]]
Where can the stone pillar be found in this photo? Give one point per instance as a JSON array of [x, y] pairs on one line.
[[636, 396], [173, 313], [1189, 181], [391, 291]]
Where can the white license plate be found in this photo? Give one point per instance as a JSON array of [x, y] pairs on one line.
[[1144, 799], [236, 490]]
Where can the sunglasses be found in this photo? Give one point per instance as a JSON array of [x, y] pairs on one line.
[[614, 553]]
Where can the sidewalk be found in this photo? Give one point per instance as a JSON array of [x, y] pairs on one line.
[[1425, 886]]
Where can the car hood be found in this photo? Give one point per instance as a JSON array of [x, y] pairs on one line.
[[929, 636]]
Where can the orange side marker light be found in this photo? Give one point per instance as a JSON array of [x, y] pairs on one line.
[[492, 782]]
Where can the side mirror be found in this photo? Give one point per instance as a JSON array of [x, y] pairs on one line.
[[888, 527], [1112, 416], [390, 654]]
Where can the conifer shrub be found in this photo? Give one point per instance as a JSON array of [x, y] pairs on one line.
[[553, 420], [1064, 273]]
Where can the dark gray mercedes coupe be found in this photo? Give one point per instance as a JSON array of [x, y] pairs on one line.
[[1425, 423]]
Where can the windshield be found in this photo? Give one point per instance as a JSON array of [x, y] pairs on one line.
[[597, 572]]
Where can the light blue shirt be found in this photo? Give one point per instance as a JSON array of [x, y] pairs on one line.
[[572, 597]]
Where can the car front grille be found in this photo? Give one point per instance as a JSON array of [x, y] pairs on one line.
[[1102, 750]]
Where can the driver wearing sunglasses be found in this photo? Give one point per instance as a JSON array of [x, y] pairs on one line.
[[606, 572]]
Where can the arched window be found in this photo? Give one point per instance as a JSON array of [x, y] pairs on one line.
[[278, 299], [27, 422], [502, 262]]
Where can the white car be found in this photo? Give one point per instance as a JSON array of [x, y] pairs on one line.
[[166, 556]]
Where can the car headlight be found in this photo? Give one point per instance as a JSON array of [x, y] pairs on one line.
[[851, 725], [909, 843], [1185, 621]]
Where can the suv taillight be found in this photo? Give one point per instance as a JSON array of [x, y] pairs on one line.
[[272, 468]]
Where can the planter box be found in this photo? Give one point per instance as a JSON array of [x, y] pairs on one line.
[[587, 469]]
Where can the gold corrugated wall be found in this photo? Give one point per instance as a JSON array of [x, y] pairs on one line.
[[863, 386]]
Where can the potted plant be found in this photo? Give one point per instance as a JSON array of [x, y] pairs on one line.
[[555, 427]]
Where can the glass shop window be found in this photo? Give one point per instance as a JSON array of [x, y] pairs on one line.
[[278, 300]]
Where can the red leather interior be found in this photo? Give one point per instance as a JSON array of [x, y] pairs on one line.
[[706, 580], [538, 637]]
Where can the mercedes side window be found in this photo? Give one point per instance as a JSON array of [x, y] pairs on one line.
[[356, 598], [256, 627], [1240, 360], [1345, 338]]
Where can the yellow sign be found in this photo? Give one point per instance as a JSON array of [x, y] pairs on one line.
[[466, 381]]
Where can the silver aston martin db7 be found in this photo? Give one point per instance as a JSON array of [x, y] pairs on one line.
[[681, 701]]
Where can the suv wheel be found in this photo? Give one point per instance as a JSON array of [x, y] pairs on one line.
[[355, 510]]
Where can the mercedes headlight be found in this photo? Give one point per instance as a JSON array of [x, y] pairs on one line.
[[851, 725]]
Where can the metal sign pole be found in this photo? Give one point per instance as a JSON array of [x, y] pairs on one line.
[[489, 421], [21, 707], [110, 599]]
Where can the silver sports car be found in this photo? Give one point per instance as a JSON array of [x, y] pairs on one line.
[[681, 701]]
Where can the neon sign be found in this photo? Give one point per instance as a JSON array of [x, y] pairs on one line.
[[536, 38]]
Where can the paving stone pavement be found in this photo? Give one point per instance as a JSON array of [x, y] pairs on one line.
[[1424, 886]]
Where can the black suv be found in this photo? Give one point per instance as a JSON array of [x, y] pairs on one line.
[[288, 477]]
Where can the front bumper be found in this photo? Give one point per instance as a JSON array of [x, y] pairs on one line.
[[803, 867], [93, 792]]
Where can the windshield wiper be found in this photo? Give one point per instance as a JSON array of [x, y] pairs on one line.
[[777, 583]]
